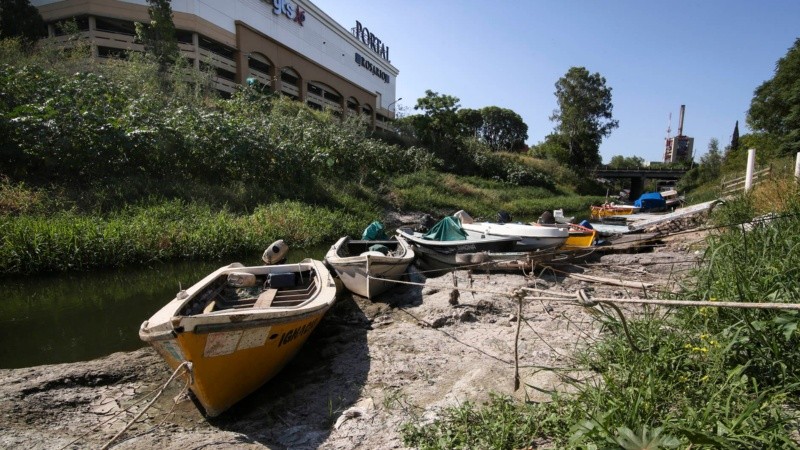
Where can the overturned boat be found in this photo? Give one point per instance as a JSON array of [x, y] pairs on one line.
[[239, 326]]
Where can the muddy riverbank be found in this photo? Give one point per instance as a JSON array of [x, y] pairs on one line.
[[369, 366]]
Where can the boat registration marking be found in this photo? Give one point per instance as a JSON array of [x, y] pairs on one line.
[[254, 337], [297, 332], [223, 343]]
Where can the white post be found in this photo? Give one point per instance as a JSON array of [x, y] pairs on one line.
[[797, 168], [751, 164]]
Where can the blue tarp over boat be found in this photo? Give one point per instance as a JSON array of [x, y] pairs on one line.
[[651, 201]]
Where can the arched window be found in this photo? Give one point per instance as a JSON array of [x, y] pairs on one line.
[[259, 68], [290, 83], [324, 95]]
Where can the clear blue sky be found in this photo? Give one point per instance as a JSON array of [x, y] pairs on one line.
[[709, 55]]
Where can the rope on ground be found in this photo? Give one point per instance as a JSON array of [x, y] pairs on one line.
[[570, 298], [186, 365]]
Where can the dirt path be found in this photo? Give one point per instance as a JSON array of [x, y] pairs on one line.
[[369, 367]]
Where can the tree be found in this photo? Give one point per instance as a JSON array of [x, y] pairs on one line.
[[735, 138], [471, 121], [20, 19], [711, 162], [159, 36], [439, 123], [503, 129], [623, 162], [775, 108], [583, 117]]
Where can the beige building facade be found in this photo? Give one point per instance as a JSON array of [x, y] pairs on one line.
[[286, 46]]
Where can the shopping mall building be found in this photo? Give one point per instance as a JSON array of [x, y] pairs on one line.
[[287, 46]]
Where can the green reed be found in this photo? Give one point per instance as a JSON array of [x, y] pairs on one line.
[[164, 231]]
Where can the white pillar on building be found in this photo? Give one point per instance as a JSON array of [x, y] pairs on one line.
[[751, 164]]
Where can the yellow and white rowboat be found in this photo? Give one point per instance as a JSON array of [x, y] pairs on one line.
[[237, 327]]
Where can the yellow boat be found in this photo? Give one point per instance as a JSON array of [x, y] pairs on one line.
[[598, 212], [579, 237], [237, 327]]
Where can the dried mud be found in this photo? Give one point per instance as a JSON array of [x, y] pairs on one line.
[[367, 368]]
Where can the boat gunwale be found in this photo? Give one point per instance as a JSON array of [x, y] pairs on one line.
[[171, 323]]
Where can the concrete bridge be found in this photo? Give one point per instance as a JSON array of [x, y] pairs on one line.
[[639, 176]]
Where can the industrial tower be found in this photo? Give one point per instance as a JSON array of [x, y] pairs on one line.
[[679, 148]]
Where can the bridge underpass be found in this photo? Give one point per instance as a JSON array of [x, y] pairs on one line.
[[639, 176]]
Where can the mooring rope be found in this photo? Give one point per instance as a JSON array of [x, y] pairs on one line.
[[562, 297], [187, 365]]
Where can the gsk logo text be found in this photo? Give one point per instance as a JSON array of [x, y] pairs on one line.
[[290, 10]]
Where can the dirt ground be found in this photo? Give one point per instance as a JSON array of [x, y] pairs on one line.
[[368, 367]]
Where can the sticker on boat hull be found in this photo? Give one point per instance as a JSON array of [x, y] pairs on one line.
[[224, 343], [255, 337], [227, 342]]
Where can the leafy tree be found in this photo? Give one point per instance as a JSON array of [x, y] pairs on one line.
[[554, 147], [503, 129], [711, 162], [471, 121], [439, 126], [159, 36], [775, 108], [583, 117], [20, 19], [623, 162]]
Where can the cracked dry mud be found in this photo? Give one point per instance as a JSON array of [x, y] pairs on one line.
[[367, 368]]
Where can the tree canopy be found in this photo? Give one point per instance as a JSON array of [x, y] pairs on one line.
[[20, 19], [583, 117], [503, 129], [159, 36], [626, 162], [775, 108]]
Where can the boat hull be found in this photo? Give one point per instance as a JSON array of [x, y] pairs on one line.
[[369, 275], [530, 237], [235, 351], [435, 258], [580, 238]]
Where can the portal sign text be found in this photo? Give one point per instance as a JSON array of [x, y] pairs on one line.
[[363, 34]]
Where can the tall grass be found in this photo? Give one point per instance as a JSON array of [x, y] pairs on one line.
[[443, 194], [168, 230]]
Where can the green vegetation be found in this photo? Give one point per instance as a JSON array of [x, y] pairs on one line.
[[96, 152], [583, 119], [707, 377]]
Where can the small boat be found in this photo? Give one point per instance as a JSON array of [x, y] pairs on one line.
[[530, 236], [580, 237], [239, 326], [448, 246], [558, 215], [672, 199], [362, 265], [611, 209]]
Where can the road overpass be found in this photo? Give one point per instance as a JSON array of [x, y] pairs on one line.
[[639, 176]]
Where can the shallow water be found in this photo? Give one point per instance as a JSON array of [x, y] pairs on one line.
[[76, 317]]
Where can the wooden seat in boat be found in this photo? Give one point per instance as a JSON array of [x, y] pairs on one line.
[[265, 298]]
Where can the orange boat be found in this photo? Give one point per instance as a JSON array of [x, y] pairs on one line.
[[610, 209]]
